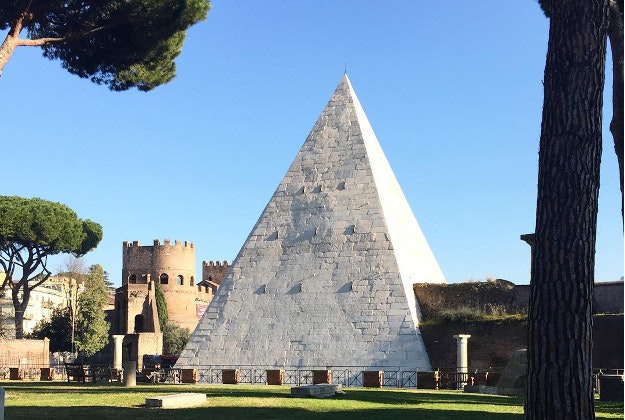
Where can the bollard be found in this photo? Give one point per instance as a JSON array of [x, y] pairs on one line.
[[130, 373], [1, 403]]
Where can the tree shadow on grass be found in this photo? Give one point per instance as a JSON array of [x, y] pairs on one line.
[[420, 397], [243, 413]]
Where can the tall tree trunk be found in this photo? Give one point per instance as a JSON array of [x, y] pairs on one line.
[[615, 34], [559, 365], [19, 307]]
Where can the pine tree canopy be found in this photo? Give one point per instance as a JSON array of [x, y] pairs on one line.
[[118, 43]]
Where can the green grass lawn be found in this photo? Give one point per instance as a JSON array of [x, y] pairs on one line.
[[59, 400]]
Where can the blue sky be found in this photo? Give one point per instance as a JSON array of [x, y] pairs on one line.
[[452, 89]]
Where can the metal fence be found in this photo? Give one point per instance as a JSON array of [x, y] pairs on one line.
[[347, 376]]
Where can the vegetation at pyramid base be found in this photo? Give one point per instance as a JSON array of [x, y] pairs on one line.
[[118, 43], [174, 338]]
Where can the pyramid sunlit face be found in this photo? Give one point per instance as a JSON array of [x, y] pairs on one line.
[[325, 277]]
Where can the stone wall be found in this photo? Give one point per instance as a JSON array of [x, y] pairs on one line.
[[497, 296], [172, 266], [16, 353], [492, 342], [214, 271]]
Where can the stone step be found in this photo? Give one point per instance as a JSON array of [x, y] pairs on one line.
[[184, 399]]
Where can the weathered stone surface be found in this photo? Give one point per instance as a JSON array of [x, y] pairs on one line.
[[185, 399], [325, 277], [317, 390]]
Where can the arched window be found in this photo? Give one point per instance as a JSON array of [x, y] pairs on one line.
[[132, 279], [138, 323], [180, 279], [164, 278], [192, 281]]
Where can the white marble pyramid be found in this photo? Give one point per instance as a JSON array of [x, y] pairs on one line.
[[325, 277]]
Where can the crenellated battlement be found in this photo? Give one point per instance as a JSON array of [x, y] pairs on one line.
[[172, 265], [157, 243], [214, 271], [214, 263]]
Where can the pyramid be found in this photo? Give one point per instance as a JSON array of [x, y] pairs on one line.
[[325, 277]]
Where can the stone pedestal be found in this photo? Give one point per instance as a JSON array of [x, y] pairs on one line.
[[130, 373], [117, 351], [462, 360]]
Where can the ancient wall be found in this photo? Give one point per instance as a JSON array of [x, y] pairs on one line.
[[214, 271], [172, 266], [16, 353], [134, 309], [498, 296], [492, 342], [168, 263]]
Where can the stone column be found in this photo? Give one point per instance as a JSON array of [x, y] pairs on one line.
[[462, 360], [117, 351]]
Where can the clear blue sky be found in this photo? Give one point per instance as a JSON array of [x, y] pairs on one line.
[[452, 89]]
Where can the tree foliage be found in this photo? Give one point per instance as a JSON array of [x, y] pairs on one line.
[[161, 305], [58, 329], [174, 338], [30, 231], [93, 330], [118, 43]]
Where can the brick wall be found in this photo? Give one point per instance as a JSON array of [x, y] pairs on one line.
[[492, 342], [15, 353]]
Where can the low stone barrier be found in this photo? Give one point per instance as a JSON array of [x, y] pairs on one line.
[[317, 390], [186, 399]]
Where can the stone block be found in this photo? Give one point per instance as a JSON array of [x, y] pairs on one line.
[[47, 374], [15, 374], [317, 390], [372, 378], [427, 380], [322, 376], [188, 376], [275, 376], [611, 387], [230, 376], [186, 399]]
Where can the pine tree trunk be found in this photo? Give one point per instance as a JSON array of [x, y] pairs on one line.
[[19, 307], [615, 35], [559, 365]]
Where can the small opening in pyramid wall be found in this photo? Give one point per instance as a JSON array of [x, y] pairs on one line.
[[317, 189], [341, 185], [350, 229]]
